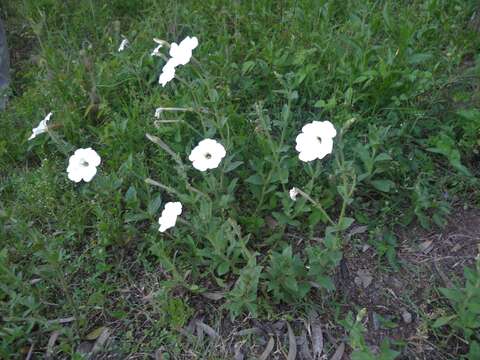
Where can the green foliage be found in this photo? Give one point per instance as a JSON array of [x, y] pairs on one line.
[[243, 296], [287, 277], [356, 340], [465, 301]]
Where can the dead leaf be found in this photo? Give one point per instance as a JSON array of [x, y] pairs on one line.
[[85, 347], [61, 321], [238, 351], [93, 335], [200, 333], [339, 352], [51, 344], [215, 296], [317, 335], [292, 344], [30, 352], [302, 342], [268, 349], [207, 329], [357, 230], [101, 340], [271, 222], [159, 354], [426, 246], [363, 278], [446, 280], [249, 331]]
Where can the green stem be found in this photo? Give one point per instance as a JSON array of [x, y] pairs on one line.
[[318, 206]]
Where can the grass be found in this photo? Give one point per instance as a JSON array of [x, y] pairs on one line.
[[78, 260]]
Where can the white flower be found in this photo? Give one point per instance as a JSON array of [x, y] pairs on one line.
[[293, 193], [168, 72], [123, 45], [156, 51], [169, 215], [158, 111], [315, 141], [82, 165], [182, 53], [41, 128], [207, 155]]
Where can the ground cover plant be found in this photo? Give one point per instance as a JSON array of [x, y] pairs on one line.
[[218, 180]]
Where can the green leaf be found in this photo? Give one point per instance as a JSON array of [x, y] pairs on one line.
[[345, 223], [255, 180], [223, 268], [452, 294], [129, 217], [383, 185], [383, 157], [154, 205], [232, 166], [443, 320], [247, 66]]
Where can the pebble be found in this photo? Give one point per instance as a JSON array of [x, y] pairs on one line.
[[406, 316]]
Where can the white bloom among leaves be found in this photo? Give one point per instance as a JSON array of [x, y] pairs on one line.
[[293, 193], [207, 155], [156, 51], [41, 128], [182, 53], [82, 165], [168, 73], [169, 215], [123, 45], [315, 141]]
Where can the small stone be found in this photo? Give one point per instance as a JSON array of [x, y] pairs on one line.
[[406, 316]]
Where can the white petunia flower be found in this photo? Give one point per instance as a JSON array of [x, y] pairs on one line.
[[169, 215], [82, 165], [293, 193], [156, 51], [207, 155], [182, 53], [315, 141], [41, 128], [123, 45], [168, 72]]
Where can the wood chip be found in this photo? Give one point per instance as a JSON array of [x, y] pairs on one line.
[[268, 349], [292, 344], [339, 352]]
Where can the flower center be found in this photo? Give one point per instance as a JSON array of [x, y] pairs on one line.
[[319, 139], [84, 163], [208, 156]]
